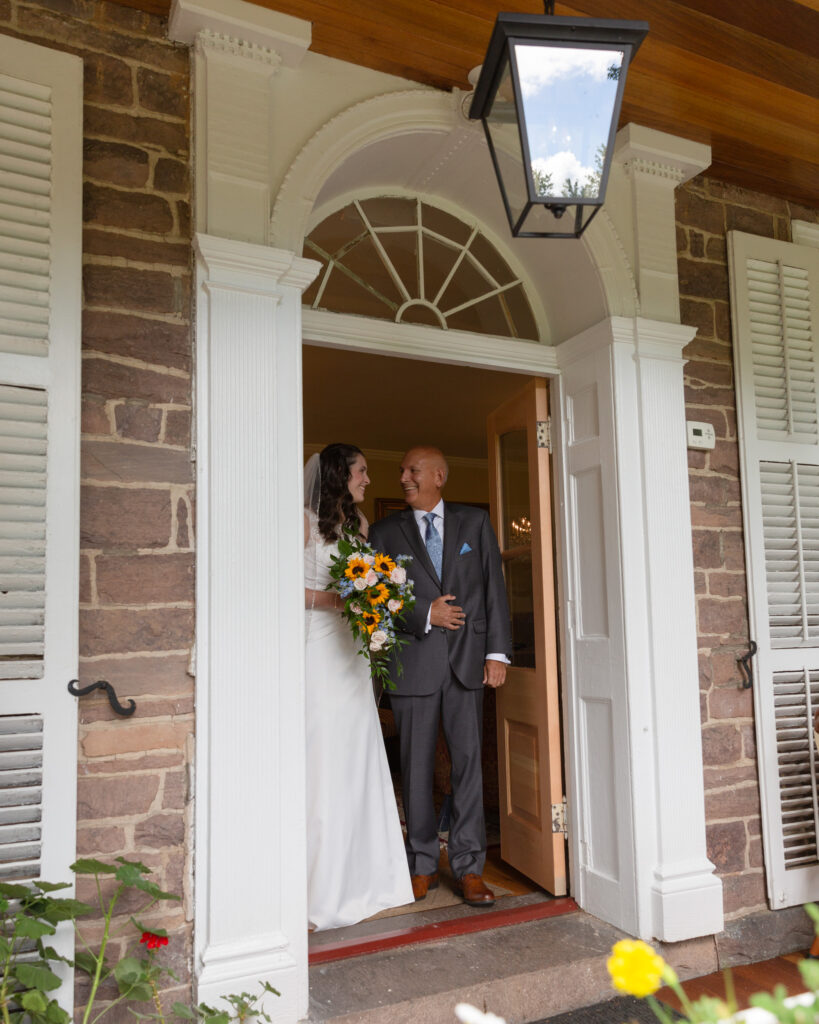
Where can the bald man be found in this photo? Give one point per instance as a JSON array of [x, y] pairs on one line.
[[459, 641]]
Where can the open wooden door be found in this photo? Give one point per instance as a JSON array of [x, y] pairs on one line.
[[528, 710]]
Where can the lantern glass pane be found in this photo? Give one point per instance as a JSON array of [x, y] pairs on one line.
[[568, 95], [502, 125]]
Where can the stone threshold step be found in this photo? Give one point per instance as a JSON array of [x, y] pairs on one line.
[[522, 973]]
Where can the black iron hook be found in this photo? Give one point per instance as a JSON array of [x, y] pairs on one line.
[[744, 661], [103, 684]]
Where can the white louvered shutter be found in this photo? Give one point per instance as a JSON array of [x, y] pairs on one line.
[[775, 307], [40, 308]]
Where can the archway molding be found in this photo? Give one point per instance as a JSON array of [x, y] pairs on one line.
[[389, 116]]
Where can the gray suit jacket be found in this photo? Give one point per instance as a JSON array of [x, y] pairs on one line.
[[472, 570]]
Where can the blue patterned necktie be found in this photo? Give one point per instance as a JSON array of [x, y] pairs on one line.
[[432, 539]]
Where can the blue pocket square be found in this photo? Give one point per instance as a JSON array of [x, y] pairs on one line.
[[465, 549]]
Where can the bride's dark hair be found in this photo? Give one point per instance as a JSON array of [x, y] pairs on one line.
[[337, 511]]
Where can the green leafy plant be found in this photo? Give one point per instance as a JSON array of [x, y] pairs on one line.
[[30, 913]]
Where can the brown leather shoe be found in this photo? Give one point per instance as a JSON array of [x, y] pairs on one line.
[[473, 891], [421, 884]]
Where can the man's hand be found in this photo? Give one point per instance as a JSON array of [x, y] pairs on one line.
[[441, 613], [494, 673]]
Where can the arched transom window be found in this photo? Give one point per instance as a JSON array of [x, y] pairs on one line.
[[402, 259]]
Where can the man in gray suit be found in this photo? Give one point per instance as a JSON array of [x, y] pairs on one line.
[[459, 641]]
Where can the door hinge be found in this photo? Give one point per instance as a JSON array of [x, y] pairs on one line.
[[559, 817], [544, 433]]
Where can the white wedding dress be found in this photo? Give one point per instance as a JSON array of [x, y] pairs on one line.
[[356, 862]]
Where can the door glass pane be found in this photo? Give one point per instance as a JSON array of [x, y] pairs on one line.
[[519, 589], [514, 465], [517, 543]]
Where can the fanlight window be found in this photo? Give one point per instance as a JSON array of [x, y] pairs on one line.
[[403, 260]]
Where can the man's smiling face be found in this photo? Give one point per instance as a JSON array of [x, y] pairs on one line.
[[423, 474]]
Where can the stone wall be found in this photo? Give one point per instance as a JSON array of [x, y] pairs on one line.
[[706, 210], [136, 611]]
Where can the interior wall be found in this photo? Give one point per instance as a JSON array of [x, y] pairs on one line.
[[385, 405]]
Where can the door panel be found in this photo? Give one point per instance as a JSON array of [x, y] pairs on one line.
[[528, 705]]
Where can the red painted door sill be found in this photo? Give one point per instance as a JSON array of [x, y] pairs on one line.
[[500, 918]]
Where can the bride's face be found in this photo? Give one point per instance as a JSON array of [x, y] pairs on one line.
[[358, 480]]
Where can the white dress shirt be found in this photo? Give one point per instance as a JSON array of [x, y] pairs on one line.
[[438, 524]]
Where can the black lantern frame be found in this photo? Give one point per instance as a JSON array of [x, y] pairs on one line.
[[555, 33]]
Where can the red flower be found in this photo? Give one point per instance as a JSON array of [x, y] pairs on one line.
[[153, 941]]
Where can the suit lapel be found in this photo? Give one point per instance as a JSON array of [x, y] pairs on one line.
[[452, 541], [410, 530]]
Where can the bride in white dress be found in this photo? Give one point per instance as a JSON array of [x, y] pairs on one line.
[[356, 863]]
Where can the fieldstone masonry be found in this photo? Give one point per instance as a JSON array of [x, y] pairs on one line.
[[706, 210], [137, 515]]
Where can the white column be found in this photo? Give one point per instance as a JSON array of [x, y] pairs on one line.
[[250, 832], [632, 657]]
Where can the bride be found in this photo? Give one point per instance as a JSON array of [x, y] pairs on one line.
[[356, 864]]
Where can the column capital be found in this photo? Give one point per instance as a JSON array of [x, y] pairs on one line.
[[240, 29], [644, 150], [250, 267], [650, 339]]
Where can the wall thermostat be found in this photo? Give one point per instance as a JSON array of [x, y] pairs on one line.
[[700, 435]]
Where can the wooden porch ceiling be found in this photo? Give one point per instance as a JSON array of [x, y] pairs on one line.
[[740, 75]]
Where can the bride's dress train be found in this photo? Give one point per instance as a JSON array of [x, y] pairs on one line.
[[356, 862]]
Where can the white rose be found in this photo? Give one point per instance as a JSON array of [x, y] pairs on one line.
[[359, 583], [369, 559], [378, 639], [399, 574], [355, 607], [394, 605], [371, 577]]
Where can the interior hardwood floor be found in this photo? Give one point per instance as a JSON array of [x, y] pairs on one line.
[[748, 979], [497, 872]]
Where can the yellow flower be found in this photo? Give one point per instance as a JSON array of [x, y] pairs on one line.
[[635, 968], [378, 595], [356, 567], [383, 563], [370, 620]]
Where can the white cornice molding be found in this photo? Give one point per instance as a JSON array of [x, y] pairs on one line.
[[252, 267], [420, 342], [805, 233], [647, 151], [250, 28], [208, 41]]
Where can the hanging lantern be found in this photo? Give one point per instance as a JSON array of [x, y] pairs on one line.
[[549, 96]]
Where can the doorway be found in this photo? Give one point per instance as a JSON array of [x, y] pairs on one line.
[[408, 402]]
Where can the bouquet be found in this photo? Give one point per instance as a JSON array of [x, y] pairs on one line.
[[377, 595]]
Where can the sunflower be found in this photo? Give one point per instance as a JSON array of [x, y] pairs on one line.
[[370, 620], [356, 568], [378, 595], [383, 563]]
